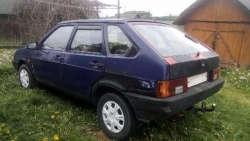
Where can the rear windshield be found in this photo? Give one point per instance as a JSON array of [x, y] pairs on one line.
[[169, 41]]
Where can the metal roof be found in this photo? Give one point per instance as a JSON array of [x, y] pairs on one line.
[[129, 15], [246, 4], [182, 18], [6, 7]]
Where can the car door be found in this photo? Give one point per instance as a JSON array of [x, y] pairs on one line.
[[84, 62], [47, 61]]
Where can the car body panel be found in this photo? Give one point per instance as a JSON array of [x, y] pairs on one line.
[[79, 75], [40, 68], [190, 65], [22, 55], [48, 67], [149, 108], [82, 69]]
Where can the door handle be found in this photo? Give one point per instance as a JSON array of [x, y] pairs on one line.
[[95, 64], [58, 57]]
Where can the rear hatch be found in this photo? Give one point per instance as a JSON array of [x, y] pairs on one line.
[[193, 64], [189, 62], [197, 68], [186, 56]]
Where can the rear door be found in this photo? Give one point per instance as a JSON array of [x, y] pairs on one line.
[[84, 62]]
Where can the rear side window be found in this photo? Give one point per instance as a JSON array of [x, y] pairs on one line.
[[87, 39], [169, 41], [118, 42]]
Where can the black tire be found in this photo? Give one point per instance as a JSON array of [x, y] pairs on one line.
[[129, 123], [25, 75]]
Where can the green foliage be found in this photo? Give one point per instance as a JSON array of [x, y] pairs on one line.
[[165, 18], [44, 114]]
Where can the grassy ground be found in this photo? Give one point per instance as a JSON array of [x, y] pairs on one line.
[[43, 114]]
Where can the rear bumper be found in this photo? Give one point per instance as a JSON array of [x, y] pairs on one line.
[[150, 108]]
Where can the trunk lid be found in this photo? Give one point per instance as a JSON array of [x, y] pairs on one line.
[[191, 65]]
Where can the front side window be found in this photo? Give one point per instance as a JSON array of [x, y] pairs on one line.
[[168, 41], [58, 40], [87, 40], [118, 42]]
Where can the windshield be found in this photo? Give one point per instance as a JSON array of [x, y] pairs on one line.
[[169, 41]]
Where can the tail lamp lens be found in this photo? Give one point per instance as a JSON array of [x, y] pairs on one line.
[[171, 87], [215, 74]]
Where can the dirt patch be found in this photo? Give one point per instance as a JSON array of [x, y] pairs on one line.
[[100, 135]]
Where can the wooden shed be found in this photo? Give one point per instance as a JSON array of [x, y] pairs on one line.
[[8, 28], [223, 25]]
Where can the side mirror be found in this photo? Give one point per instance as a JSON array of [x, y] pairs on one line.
[[32, 45]]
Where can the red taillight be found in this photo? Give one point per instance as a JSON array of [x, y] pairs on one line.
[[171, 87], [214, 74]]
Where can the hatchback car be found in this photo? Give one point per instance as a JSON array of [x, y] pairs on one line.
[[132, 70]]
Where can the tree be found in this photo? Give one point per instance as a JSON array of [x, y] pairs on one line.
[[36, 17]]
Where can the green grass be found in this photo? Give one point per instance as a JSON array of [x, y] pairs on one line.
[[34, 115]]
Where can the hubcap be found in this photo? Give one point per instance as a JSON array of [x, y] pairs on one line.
[[24, 78], [113, 116]]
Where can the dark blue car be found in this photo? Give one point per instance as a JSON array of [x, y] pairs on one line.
[[133, 70]]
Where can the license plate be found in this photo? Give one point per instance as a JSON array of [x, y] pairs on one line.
[[197, 79]]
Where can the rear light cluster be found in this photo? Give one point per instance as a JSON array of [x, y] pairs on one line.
[[177, 86], [172, 87], [214, 74]]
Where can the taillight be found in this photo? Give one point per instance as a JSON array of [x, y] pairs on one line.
[[171, 87], [215, 74]]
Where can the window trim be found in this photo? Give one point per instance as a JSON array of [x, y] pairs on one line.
[[52, 31], [80, 27]]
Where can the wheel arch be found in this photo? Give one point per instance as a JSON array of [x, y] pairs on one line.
[[100, 89], [107, 86], [20, 63], [27, 62]]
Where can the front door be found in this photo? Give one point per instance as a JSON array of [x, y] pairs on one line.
[[47, 61], [84, 62]]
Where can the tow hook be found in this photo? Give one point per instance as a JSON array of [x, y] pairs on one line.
[[204, 108]]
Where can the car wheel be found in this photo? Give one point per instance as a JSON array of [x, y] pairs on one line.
[[25, 77], [116, 117]]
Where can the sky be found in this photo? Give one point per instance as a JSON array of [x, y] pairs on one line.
[[156, 7]]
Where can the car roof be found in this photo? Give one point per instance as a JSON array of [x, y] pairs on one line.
[[108, 21]]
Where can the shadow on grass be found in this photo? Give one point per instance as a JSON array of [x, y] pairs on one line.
[[66, 97]]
